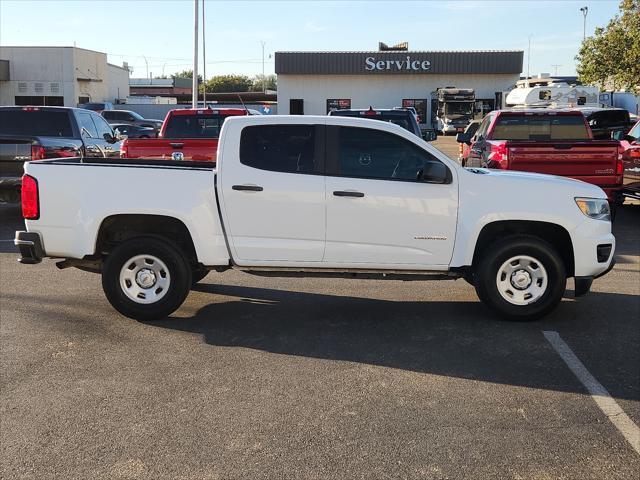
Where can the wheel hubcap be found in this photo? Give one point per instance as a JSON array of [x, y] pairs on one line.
[[145, 279], [522, 280]]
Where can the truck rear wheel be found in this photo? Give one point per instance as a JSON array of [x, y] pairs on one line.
[[146, 278], [522, 278]]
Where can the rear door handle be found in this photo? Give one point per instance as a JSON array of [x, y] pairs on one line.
[[247, 188], [347, 193]]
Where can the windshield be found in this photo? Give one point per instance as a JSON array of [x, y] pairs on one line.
[[458, 108]]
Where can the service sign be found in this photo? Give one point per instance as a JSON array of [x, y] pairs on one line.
[[372, 63]]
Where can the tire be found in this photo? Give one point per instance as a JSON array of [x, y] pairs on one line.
[[198, 274], [154, 262], [522, 278]]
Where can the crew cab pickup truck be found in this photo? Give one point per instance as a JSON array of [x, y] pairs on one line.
[[186, 134], [555, 142], [316, 196], [35, 133]]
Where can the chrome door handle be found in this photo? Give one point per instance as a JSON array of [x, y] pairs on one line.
[[247, 188], [347, 193]]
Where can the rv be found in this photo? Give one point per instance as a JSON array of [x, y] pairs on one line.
[[553, 95], [455, 109]]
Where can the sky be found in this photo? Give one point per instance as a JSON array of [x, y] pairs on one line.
[[162, 30]]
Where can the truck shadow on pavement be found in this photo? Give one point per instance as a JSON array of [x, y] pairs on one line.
[[457, 339]]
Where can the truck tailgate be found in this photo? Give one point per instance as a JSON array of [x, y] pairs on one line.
[[13, 154], [591, 161], [199, 149]]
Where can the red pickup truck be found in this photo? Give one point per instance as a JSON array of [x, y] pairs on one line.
[[557, 142], [186, 134]]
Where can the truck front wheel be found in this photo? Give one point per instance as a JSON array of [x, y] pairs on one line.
[[146, 278], [521, 277]]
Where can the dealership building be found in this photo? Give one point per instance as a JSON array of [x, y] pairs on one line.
[[313, 83]]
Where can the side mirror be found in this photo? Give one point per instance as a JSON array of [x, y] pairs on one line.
[[429, 135], [618, 135], [463, 137], [110, 138], [436, 172]]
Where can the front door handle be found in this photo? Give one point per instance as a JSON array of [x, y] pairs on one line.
[[348, 193], [247, 188]]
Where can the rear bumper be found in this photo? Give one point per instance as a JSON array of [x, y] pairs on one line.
[[30, 246]]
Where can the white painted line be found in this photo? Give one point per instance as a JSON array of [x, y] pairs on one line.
[[10, 240], [600, 395]]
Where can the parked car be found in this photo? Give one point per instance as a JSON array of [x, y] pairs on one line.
[[630, 143], [557, 142], [97, 106], [465, 148], [604, 122], [133, 131], [36, 133], [186, 134], [128, 116], [316, 196], [402, 117]]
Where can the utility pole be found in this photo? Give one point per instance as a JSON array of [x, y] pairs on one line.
[[204, 62], [194, 84], [264, 80], [529, 60], [584, 11], [556, 68], [147, 64]]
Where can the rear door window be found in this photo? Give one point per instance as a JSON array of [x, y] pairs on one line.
[[35, 123], [280, 148], [540, 127]]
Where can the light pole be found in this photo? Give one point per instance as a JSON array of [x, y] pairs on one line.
[[264, 84], [556, 66], [194, 84], [584, 11], [529, 60], [204, 62]]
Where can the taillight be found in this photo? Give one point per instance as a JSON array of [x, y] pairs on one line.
[[37, 152], [620, 166], [499, 155], [30, 198], [124, 150]]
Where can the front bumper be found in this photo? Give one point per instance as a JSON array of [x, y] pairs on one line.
[[30, 246]]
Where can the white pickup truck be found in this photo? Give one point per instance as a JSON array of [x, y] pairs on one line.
[[309, 196]]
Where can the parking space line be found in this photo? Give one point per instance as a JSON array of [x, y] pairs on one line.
[[8, 240], [600, 395]]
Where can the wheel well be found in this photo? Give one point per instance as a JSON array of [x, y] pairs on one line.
[[118, 228], [550, 232]]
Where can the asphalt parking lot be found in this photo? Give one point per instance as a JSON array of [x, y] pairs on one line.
[[314, 378]]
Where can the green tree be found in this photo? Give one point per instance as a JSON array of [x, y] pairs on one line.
[[186, 74], [228, 83], [267, 82], [611, 57]]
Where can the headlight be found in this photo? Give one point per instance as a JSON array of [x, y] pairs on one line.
[[596, 208]]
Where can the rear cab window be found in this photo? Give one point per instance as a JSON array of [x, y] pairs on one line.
[[282, 148], [195, 126], [35, 122], [540, 127], [87, 127]]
